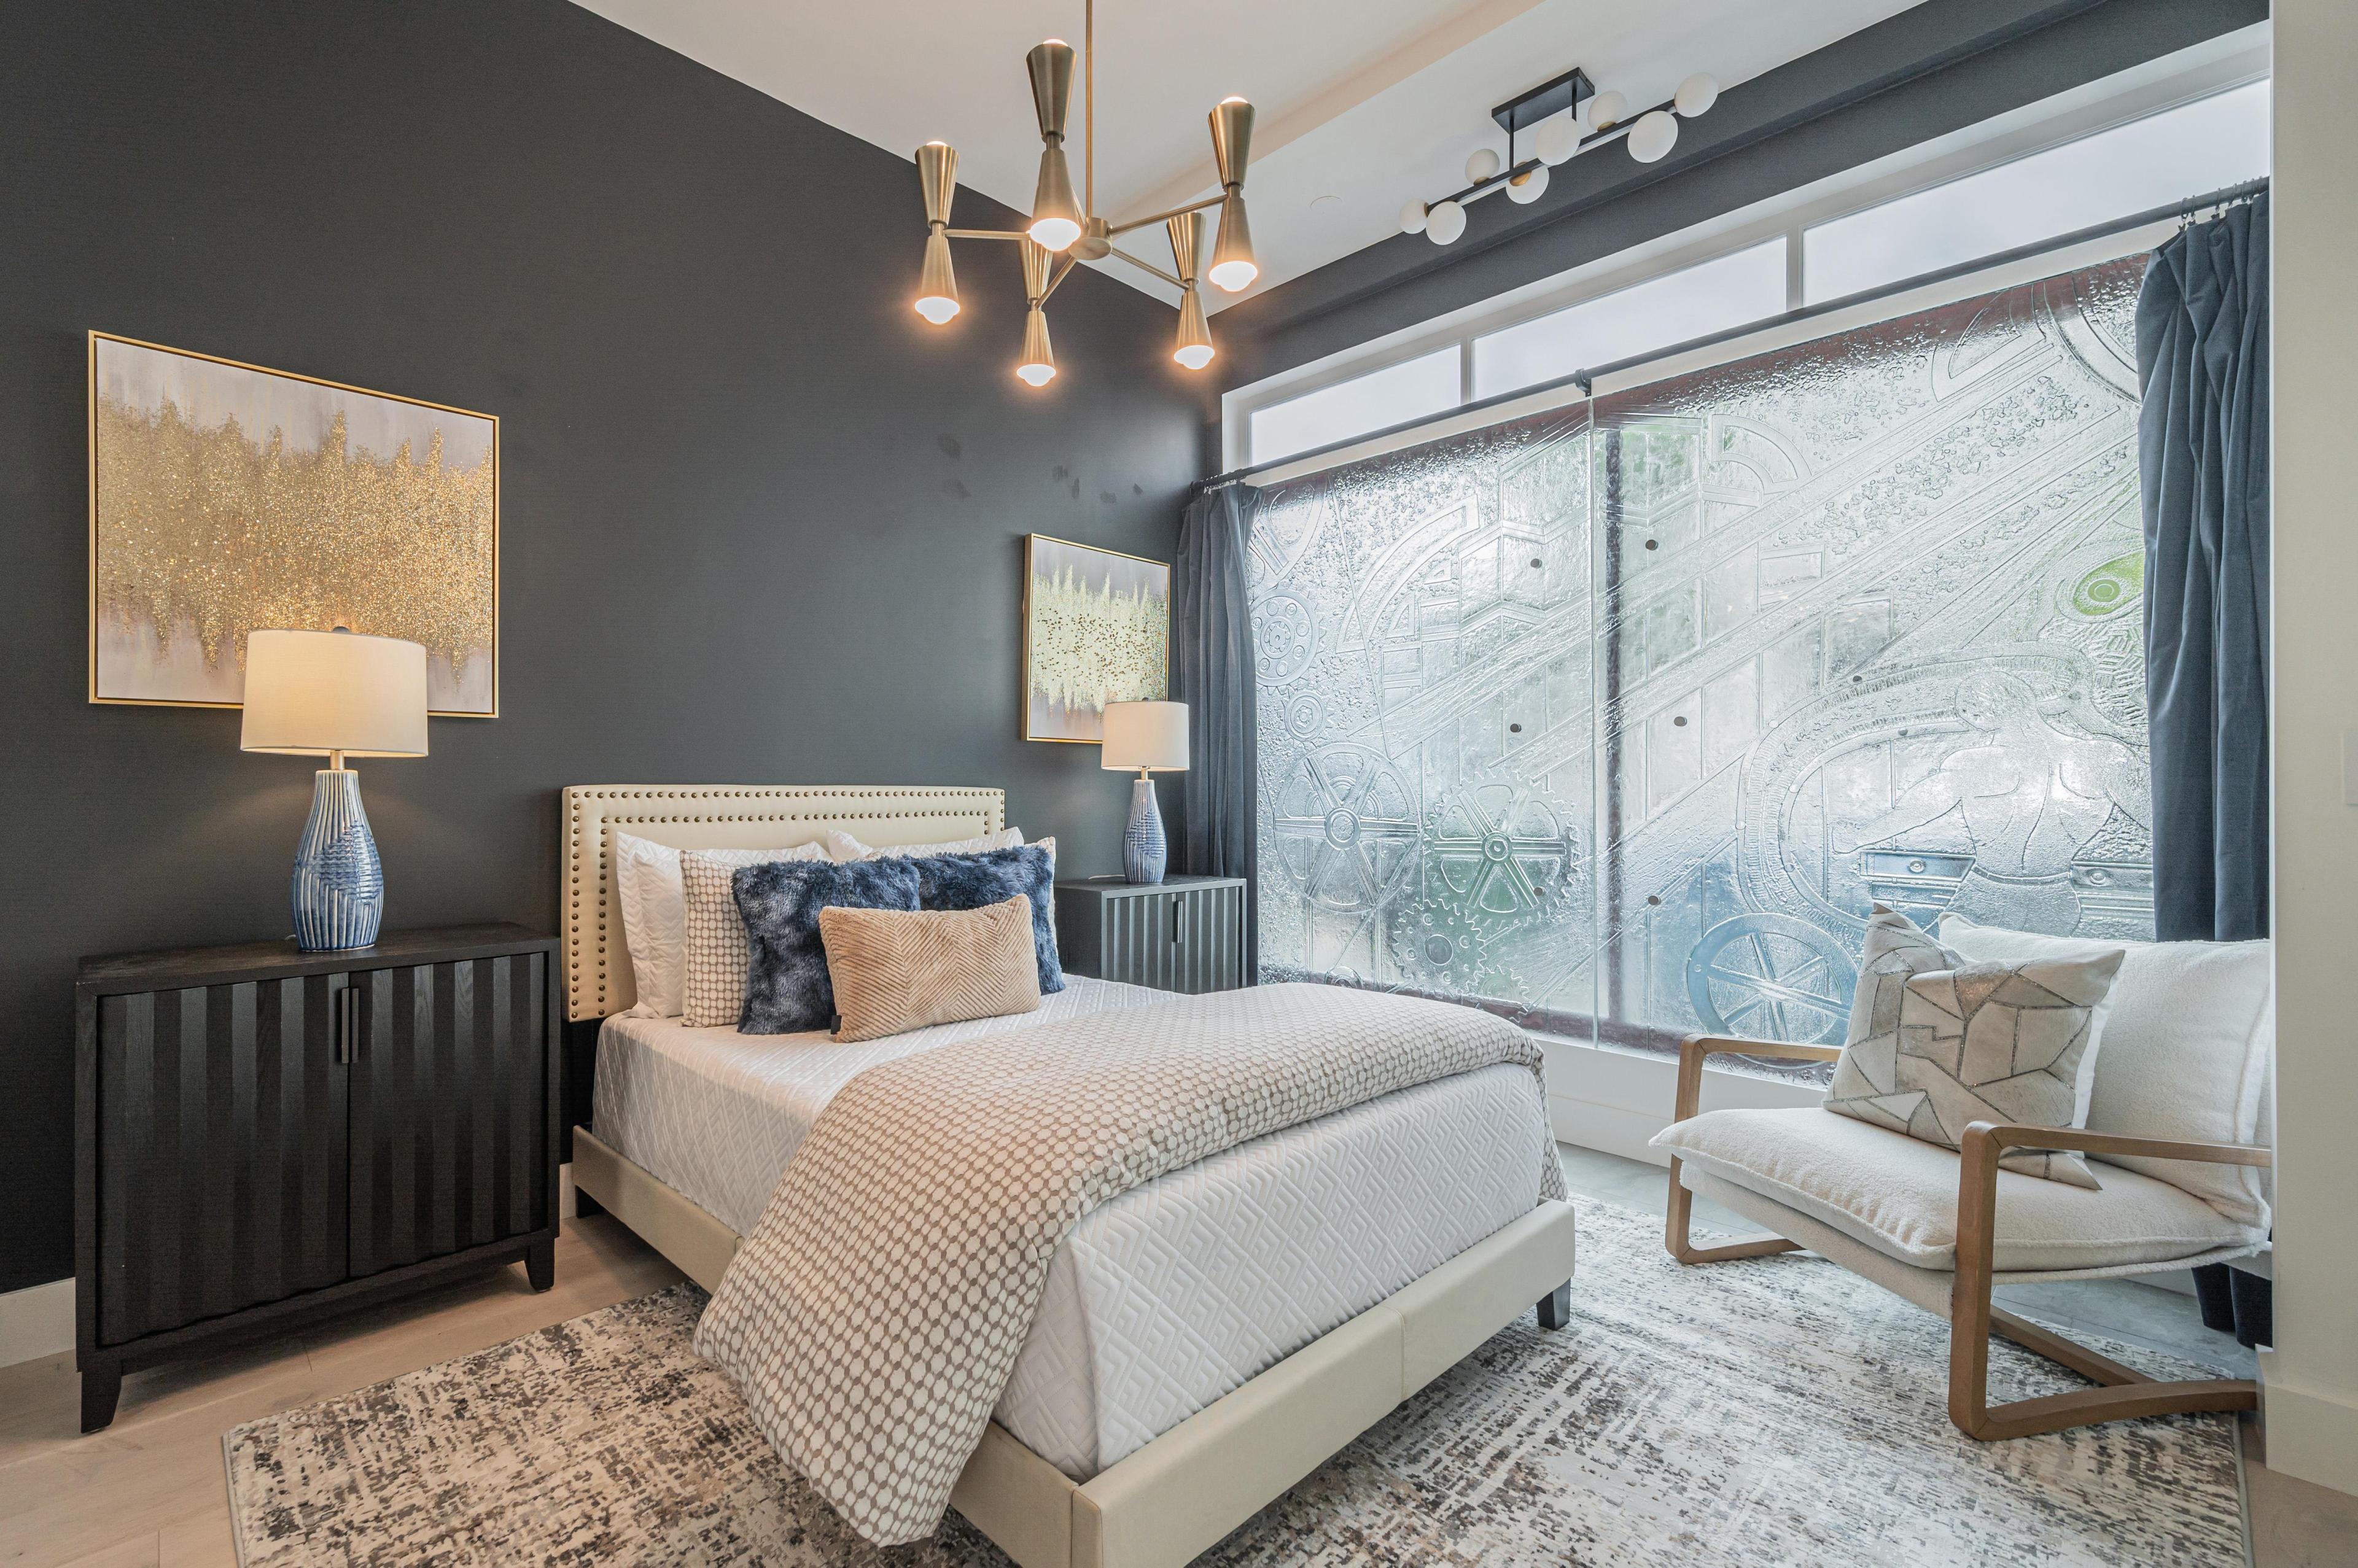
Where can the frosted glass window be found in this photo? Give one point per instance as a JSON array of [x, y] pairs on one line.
[[2187, 151], [1620, 719], [1389, 396], [1693, 303]]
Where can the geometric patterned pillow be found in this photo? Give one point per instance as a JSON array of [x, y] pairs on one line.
[[712, 981], [1937, 1044]]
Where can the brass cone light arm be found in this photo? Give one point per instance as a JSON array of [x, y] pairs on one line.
[[1063, 228]]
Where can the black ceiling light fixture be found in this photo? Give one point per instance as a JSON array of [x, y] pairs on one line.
[[1566, 117]]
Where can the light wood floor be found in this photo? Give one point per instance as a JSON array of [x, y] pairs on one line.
[[149, 1492]]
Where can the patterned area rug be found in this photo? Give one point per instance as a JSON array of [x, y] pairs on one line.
[[1769, 1411]]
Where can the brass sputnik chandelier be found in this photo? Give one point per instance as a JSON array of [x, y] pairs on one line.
[[1065, 230]]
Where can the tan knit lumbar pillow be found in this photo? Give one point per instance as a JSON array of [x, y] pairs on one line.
[[895, 970]]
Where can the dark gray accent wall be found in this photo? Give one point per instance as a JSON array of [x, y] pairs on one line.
[[759, 523], [1934, 69]]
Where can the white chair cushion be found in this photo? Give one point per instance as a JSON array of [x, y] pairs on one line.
[[2185, 1052], [1898, 1196]]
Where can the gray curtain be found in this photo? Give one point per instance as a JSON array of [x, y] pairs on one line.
[[2202, 448], [1212, 672]]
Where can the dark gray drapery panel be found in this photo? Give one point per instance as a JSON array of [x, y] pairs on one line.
[[2202, 448], [1212, 672]]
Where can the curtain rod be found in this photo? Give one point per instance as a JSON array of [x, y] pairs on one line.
[[1586, 378]]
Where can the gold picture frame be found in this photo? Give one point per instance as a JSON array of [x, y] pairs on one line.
[[235, 428], [1134, 605]]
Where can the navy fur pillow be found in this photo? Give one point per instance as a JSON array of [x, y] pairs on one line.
[[786, 985], [994, 876]]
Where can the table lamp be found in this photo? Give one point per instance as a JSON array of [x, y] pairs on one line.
[[1150, 737], [335, 695]]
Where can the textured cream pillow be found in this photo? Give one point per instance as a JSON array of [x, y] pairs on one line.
[[895, 970], [654, 914], [1937, 1044], [712, 979]]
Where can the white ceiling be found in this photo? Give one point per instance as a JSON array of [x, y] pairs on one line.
[[1362, 104]]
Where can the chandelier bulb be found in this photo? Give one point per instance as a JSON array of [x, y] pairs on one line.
[[1412, 218], [937, 297], [1528, 185], [1233, 266], [1193, 350], [1445, 223], [1038, 365]]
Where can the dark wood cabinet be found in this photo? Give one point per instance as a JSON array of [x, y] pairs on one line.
[[1183, 934], [263, 1132]]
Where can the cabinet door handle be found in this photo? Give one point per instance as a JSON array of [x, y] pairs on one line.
[[1178, 919], [348, 1025]]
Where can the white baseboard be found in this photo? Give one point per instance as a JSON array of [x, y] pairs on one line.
[[2313, 1436], [37, 1321], [1602, 1097]]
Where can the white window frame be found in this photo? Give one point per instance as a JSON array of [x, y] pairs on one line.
[[2233, 60]]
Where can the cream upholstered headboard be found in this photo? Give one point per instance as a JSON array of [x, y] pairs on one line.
[[598, 979]]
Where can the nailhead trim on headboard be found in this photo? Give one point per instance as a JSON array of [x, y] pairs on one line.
[[597, 972]]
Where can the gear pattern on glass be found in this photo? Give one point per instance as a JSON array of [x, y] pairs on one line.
[[1634, 708]]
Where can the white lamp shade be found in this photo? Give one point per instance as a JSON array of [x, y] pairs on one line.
[[311, 693], [1152, 735]]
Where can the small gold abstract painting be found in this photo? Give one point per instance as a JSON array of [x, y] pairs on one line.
[[1097, 629], [226, 499]]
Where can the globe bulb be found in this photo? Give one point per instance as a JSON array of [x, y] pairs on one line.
[[933, 307], [1556, 139], [1696, 94], [1445, 223], [1413, 218], [1054, 233], [1528, 185], [1233, 276], [1035, 375], [1481, 166], [1195, 356], [1653, 136], [1605, 110]]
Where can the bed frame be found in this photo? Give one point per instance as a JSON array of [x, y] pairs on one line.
[[1180, 1494]]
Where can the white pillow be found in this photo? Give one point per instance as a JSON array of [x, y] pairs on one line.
[[2187, 1041], [654, 914], [844, 847]]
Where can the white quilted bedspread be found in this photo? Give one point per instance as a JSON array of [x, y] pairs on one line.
[[1165, 1299]]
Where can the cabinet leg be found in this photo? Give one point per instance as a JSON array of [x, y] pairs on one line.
[[102, 1385], [540, 1265]]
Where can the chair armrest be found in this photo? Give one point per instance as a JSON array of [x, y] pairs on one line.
[[1695, 1047], [1984, 1141]]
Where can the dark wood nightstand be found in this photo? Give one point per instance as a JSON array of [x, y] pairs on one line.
[[1183, 934], [264, 1135]]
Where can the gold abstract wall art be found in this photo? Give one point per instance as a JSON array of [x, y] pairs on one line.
[[1097, 629], [225, 498]]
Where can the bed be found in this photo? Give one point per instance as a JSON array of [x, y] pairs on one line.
[[1205, 1340]]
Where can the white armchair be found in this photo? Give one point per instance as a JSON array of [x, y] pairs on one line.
[[1874, 1201]]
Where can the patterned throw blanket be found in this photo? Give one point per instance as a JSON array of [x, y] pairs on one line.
[[874, 1316]]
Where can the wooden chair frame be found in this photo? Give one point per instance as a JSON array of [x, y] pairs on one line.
[[2124, 1392]]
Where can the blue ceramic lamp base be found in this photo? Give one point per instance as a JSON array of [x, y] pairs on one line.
[[1143, 852], [338, 890]]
